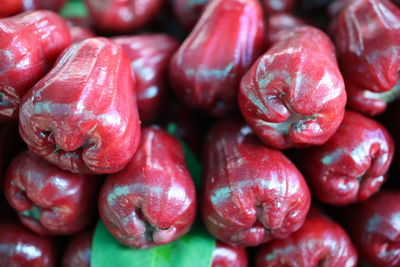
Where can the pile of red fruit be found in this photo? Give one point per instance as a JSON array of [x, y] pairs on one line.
[[291, 106]]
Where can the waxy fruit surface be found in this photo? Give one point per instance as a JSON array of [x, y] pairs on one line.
[[152, 201], [29, 44], [206, 70], [367, 37], [49, 200], [294, 94], [82, 116], [319, 242], [252, 193], [149, 55], [352, 165]]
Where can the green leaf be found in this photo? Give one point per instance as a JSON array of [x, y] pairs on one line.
[[192, 163], [74, 8], [192, 250]]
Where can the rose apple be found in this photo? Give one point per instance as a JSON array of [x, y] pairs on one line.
[[319, 242], [206, 70], [367, 36], [225, 255], [149, 55], [29, 45], [152, 201], [294, 94], [352, 165], [49, 201], [82, 116], [79, 249], [252, 193]]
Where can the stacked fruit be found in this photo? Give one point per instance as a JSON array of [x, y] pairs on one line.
[[280, 100]]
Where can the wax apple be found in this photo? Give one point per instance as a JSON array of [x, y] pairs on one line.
[[29, 45], [278, 24], [294, 94], [79, 28], [49, 201], [188, 12], [20, 247], [278, 6], [319, 242], [149, 55], [252, 193], [82, 116], [78, 251], [206, 74], [122, 15], [352, 165], [152, 201], [367, 41], [10, 7], [225, 255], [373, 226]]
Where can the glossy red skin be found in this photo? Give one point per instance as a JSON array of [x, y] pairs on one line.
[[10, 7], [294, 95], [22, 248], [79, 29], [352, 165], [370, 67], [149, 55], [278, 24], [188, 12], [30, 43], [373, 227], [79, 249], [225, 255], [82, 116], [122, 15], [206, 74], [54, 5], [49, 201], [278, 6], [252, 193], [152, 201], [319, 242]]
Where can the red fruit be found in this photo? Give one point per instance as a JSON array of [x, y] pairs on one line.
[[79, 29], [225, 255], [20, 247], [188, 12], [367, 36], [278, 6], [123, 15], [352, 165], [149, 55], [77, 254], [373, 227], [294, 94], [280, 24], [82, 115], [54, 5], [252, 193], [29, 45], [10, 7], [319, 242], [206, 70], [49, 201], [152, 201]]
